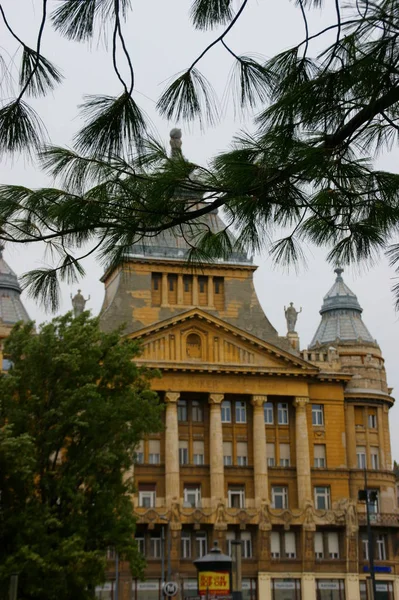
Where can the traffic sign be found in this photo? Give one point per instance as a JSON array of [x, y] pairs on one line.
[[170, 588]]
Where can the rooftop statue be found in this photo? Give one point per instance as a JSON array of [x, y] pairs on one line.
[[291, 316], [79, 303]]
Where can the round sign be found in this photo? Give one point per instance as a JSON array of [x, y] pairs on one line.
[[170, 588]]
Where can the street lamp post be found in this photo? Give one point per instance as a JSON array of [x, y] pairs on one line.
[[369, 496], [237, 570]]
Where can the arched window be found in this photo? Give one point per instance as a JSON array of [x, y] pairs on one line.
[[193, 346]]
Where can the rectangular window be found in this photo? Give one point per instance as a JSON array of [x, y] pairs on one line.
[[268, 412], [333, 544], [218, 285], [172, 281], [226, 411], [359, 416], [154, 452], [202, 284], [317, 414], [275, 547], [242, 454], [318, 545], [227, 454], [197, 413], [198, 449], [279, 496], [187, 283], [236, 496], [156, 279], [381, 547], [218, 297], [155, 546], [246, 543], [241, 412], [374, 455], [139, 453], [282, 413], [140, 545], [271, 458], [289, 544], [192, 496], [182, 410], [373, 496], [319, 456], [147, 495], [284, 455], [183, 452], [201, 546], [230, 537], [365, 547], [185, 544], [322, 498], [372, 418], [361, 457]]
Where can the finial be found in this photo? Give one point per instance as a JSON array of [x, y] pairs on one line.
[[339, 272], [175, 142]]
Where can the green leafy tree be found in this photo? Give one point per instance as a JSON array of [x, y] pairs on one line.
[[307, 175], [73, 406]]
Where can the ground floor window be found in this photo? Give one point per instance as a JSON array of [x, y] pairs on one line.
[[105, 592], [190, 588], [286, 589], [384, 590], [249, 589], [330, 589], [146, 590]]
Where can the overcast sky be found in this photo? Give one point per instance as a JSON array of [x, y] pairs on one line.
[[162, 43]]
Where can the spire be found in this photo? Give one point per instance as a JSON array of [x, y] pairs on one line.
[[341, 316]]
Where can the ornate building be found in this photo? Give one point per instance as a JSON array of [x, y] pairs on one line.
[[262, 443]]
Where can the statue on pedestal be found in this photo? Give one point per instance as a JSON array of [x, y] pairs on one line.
[[291, 316]]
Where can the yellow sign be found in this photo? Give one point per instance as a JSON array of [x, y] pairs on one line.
[[214, 582]]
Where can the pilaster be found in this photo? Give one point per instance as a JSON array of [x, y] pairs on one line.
[[308, 586], [164, 290], [302, 452], [352, 589], [264, 586], [350, 433], [260, 454], [216, 449], [172, 476]]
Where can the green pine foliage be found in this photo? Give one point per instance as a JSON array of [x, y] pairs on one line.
[[73, 407], [307, 174]]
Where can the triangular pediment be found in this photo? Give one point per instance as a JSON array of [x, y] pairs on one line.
[[199, 340]]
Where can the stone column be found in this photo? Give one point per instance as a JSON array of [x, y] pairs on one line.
[[216, 449], [260, 453], [302, 452], [164, 290], [172, 479], [195, 290], [210, 291], [180, 289], [350, 436], [381, 441]]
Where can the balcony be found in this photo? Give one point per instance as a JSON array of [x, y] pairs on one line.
[[380, 519]]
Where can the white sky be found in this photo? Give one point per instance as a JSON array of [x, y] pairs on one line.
[[162, 43]]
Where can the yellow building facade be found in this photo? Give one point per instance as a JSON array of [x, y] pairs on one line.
[[262, 442]]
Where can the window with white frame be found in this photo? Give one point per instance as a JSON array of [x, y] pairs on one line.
[[182, 410], [361, 457], [230, 538], [139, 453], [242, 454], [155, 546], [236, 496], [319, 457], [374, 456], [372, 419], [373, 501], [226, 411], [322, 497], [284, 455], [279, 496], [381, 547], [333, 544], [140, 544], [271, 454], [289, 544], [282, 413], [192, 496], [365, 546], [185, 544], [198, 452], [154, 452], [275, 544], [317, 414], [147, 495], [246, 544], [227, 454], [183, 452], [241, 411], [197, 413], [111, 553], [201, 545], [268, 412], [318, 545]]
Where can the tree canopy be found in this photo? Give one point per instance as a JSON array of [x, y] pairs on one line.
[[306, 174], [73, 407]]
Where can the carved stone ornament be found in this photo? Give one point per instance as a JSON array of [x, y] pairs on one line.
[[172, 397], [215, 398], [301, 402], [264, 516], [220, 522], [258, 401], [309, 516]]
